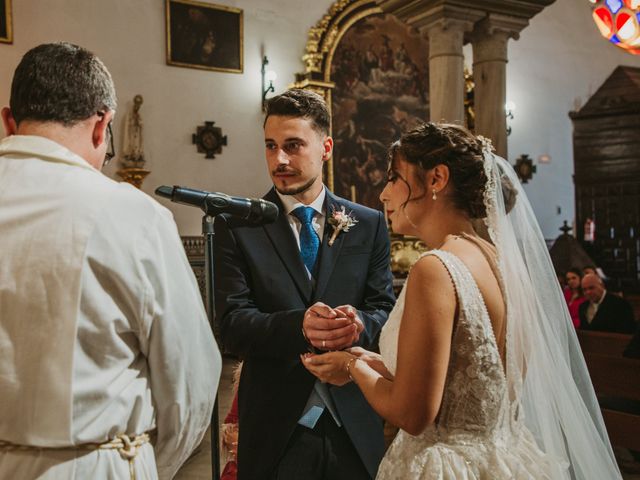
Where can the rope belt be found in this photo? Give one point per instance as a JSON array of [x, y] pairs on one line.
[[126, 446]]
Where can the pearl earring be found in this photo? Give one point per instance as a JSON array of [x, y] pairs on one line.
[[434, 196]]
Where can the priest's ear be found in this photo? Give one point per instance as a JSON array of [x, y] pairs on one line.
[[8, 122], [100, 122]]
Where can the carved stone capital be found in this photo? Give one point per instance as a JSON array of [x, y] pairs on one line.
[[446, 28], [491, 35], [499, 24], [447, 17], [409, 10]]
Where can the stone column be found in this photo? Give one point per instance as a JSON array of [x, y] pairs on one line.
[[489, 40], [446, 69]]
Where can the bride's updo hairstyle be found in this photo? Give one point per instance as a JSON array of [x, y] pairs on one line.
[[431, 144]]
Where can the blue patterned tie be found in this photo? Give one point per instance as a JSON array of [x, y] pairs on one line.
[[320, 397], [309, 240]]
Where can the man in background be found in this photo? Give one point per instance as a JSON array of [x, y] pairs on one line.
[[604, 311], [104, 341]]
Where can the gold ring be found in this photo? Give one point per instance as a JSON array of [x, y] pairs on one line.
[[324, 343]]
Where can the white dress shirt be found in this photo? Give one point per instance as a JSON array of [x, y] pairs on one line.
[[102, 327]]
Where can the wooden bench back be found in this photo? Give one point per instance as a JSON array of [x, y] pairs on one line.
[[617, 377], [603, 343], [616, 381]]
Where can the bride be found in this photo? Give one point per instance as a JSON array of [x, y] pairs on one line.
[[480, 366]]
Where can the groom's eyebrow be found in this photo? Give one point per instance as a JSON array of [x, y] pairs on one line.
[[287, 140]]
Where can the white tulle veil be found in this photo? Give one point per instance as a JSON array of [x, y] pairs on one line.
[[549, 386]]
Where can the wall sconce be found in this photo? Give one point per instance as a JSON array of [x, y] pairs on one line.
[[268, 77], [509, 109]]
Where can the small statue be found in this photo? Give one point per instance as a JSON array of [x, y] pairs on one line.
[[133, 151]]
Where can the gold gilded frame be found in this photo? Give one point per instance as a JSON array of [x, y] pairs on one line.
[[208, 6], [8, 23]]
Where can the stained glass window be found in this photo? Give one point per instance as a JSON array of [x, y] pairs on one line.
[[619, 22]]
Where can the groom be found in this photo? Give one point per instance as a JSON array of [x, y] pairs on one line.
[[285, 288]]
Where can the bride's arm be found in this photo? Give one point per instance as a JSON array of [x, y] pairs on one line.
[[412, 399]]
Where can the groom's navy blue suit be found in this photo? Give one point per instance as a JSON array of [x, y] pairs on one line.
[[262, 292]]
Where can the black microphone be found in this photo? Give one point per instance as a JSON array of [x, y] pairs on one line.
[[255, 211]]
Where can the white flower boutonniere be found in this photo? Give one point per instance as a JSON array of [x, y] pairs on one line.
[[341, 222]]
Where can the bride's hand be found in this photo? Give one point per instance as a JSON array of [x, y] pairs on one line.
[[329, 367], [374, 360]]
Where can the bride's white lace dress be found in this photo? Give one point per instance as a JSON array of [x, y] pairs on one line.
[[474, 436]]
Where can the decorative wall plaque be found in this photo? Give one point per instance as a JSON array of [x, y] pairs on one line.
[[209, 139], [525, 168]]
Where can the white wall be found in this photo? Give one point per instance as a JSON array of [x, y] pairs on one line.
[[559, 58], [129, 37], [558, 63]]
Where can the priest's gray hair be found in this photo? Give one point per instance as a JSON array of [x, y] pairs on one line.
[[61, 83]]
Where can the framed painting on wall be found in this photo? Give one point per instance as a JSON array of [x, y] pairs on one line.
[[6, 33], [204, 35]]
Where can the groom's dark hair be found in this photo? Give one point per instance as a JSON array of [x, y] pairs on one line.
[[300, 103]]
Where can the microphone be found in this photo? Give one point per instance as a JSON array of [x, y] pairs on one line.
[[255, 211]]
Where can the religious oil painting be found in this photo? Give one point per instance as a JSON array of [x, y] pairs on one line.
[[6, 33], [204, 35], [381, 73]]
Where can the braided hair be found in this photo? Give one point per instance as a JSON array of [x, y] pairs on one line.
[[432, 144]]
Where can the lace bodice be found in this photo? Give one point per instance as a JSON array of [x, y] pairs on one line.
[[472, 437], [475, 400]]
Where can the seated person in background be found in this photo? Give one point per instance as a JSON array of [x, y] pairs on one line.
[[604, 311], [573, 294]]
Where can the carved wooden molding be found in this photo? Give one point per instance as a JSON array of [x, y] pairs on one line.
[[194, 247], [405, 251], [324, 37]]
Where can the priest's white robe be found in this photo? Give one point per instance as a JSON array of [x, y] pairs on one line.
[[102, 327]]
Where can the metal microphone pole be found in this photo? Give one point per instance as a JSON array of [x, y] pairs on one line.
[[209, 234], [257, 211]]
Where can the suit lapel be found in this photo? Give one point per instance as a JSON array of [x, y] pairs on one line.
[[284, 243], [328, 254]]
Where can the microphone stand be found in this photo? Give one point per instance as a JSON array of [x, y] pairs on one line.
[[213, 204], [209, 234]]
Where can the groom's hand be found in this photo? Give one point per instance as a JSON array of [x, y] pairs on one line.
[[328, 329], [351, 313]]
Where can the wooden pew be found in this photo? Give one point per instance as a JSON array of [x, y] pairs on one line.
[[616, 381], [603, 343]]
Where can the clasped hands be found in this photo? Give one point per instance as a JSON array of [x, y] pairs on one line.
[[329, 328], [336, 329]]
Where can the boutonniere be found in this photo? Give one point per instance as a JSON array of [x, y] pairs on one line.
[[341, 221]]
